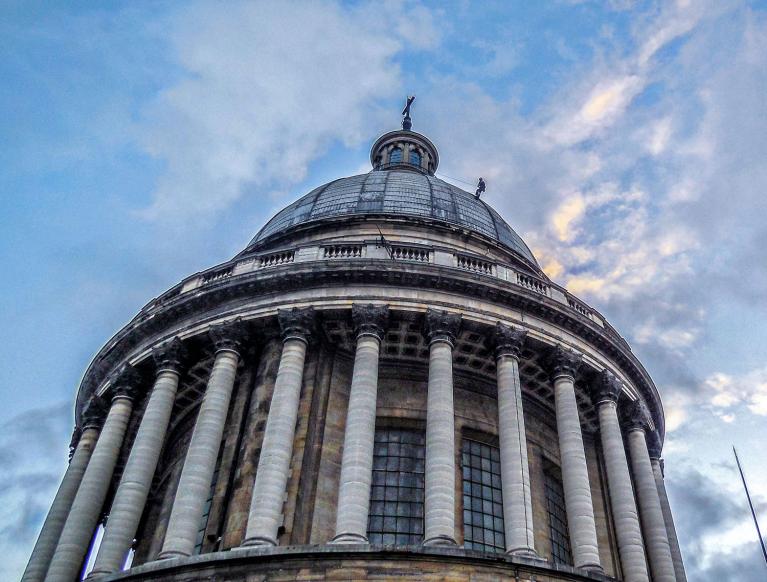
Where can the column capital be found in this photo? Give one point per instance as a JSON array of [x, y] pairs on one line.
[[607, 387], [229, 335], [297, 323], [637, 417], [370, 319], [654, 446], [564, 361], [170, 355], [442, 326], [508, 340], [76, 434], [125, 382], [95, 413]]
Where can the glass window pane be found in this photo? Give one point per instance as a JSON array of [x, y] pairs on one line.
[[483, 512]]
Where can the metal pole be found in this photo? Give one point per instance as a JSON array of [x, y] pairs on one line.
[[751, 505]]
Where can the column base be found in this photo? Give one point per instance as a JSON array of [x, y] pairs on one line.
[[349, 538], [525, 552], [441, 540], [257, 541], [170, 554], [593, 568]]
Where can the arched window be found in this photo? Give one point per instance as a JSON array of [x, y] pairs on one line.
[[415, 158], [395, 157]]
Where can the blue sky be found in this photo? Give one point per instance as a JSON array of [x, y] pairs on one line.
[[625, 141]]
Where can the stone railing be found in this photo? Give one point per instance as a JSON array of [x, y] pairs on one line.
[[419, 255], [342, 251], [373, 250], [474, 264]]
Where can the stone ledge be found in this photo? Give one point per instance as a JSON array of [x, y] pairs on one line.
[[353, 562]]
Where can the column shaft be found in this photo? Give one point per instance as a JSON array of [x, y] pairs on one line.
[[264, 518], [651, 514], [132, 493], [515, 472], [357, 462], [625, 515], [200, 461], [575, 477], [668, 518], [57, 515], [87, 506], [440, 447]]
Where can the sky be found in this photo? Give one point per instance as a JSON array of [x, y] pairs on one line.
[[624, 140]]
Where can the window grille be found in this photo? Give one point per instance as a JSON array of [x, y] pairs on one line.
[[395, 157], [397, 494], [482, 499], [200, 540], [555, 505], [415, 158]]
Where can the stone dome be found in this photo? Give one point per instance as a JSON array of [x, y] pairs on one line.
[[396, 193]]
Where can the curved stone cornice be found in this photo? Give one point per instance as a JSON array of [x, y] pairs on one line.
[[607, 387], [508, 340], [563, 361], [151, 324], [370, 319], [297, 323], [170, 355], [439, 325]]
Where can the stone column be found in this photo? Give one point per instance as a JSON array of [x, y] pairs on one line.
[[82, 445], [439, 503], [654, 449], [357, 461], [201, 457], [650, 512], [132, 493], [627, 529], [86, 508], [266, 504], [515, 471], [575, 476]]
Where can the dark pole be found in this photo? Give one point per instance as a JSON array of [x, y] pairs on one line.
[[751, 505]]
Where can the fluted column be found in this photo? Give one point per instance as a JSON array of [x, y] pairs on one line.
[[654, 449], [86, 508], [201, 457], [265, 515], [84, 441], [439, 502], [357, 461], [515, 471], [132, 493], [575, 476], [650, 512], [627, 529]]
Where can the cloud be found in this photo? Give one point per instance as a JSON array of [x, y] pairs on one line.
[[730, 393], [33, 454], [265, 89]]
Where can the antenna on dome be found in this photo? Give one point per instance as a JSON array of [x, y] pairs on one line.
[[407, 123]]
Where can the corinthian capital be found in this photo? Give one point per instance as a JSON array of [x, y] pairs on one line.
[[297, 322], [170, 355], [370, 319], [564, 362], [508, 340], [442, 326], [654, 446], [125, 382], [94, 413], [608, 387], [230, 335], [637, 416]]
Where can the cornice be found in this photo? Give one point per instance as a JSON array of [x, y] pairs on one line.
[[149, 325]]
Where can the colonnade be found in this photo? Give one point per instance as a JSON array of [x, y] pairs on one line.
[[646, 539]]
